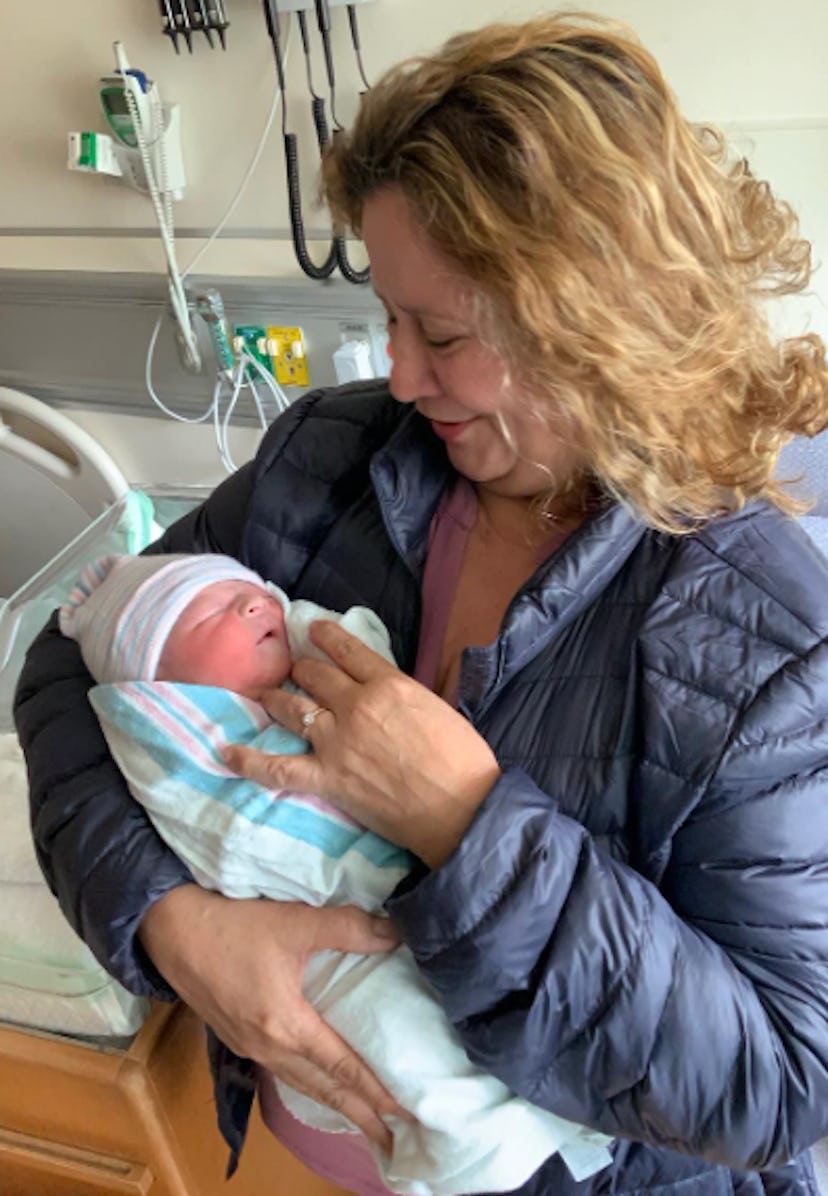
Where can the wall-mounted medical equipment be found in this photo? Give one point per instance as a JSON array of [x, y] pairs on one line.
[[145, 141], [145, 151], [183, 18], [143, 147], [210, 306], [180, 18], [288, 355], [144, 128], [337, 256]]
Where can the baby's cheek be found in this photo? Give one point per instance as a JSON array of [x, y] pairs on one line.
[[181, 659]]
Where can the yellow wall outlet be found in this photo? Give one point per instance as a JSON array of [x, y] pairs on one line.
[[286, 347]]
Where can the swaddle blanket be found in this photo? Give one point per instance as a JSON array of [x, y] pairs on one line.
[[471, 1134]]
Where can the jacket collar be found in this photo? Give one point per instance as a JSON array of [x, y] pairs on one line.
[[560, 590], [409, 475]]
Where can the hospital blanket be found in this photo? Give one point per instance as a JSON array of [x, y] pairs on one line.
[[49, 979], [18, 863], [470, 1133]]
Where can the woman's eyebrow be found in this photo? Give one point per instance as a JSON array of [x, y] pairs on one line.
[[419, 312]]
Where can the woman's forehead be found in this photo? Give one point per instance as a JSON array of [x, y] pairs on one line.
[[408, 271]]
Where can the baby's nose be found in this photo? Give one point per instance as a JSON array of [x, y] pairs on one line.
[[254, 604]]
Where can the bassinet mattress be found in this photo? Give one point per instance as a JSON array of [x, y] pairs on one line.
[[49, 979]]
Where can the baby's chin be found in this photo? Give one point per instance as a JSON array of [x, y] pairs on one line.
[[255, 690]]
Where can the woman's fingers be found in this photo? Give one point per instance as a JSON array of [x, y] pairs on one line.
[[349, 928], [331, 1073], [324, 682], [302, 773], [332, 685], [239, 964], [351, 654]]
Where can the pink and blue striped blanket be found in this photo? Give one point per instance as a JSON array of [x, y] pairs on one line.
[[235, 835]]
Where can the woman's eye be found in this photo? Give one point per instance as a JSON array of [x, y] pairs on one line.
[[435, 342]]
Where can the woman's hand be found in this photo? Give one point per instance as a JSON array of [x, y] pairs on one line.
[[386, 750], [239, 965]]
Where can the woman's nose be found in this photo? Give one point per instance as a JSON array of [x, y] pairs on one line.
[[412, 376]]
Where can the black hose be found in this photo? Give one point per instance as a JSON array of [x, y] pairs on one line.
[[320, 122], [297, 226], [345, 268], [323, 136], [352, 21], [338, 253]]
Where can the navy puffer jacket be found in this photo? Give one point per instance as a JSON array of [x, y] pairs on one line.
[[634, 930]]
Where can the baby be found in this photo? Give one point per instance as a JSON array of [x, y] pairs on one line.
[[185, 647]]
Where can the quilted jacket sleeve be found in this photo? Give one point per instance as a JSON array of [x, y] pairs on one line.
[[692, 1016], [97, 848]]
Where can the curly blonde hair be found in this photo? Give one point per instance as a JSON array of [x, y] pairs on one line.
[[618, 251]]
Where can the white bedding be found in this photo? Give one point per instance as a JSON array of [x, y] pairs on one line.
[[49, 979], [18, 864]]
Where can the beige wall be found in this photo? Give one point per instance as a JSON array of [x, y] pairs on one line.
[[758, 62]]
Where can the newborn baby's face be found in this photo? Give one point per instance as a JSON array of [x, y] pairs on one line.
[[231, 635]]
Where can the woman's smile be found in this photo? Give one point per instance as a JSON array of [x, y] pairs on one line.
[[450, 430]]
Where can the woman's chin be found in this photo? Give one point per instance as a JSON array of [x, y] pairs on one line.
[[479, 467], [497, 477]]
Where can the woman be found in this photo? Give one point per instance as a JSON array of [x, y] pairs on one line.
[[564, 512]]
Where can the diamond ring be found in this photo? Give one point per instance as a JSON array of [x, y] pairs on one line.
[[310, 717]]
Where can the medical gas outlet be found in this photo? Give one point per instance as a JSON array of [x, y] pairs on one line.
[[286, 347]]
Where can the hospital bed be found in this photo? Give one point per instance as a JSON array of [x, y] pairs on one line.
[[100, 1091]]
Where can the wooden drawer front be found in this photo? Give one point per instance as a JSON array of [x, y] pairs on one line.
[[37, 1167]]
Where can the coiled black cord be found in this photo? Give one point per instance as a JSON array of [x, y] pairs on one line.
[[297, 224], [348, 272]]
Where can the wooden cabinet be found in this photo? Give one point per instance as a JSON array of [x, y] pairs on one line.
[[78, 1120]]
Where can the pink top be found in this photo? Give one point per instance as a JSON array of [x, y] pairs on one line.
[[345, 1159]]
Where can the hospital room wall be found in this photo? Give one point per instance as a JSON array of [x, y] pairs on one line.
[[755, 65], [759, 63]]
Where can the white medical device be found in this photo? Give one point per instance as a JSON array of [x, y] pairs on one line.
[[145, 145], [145, 152], [118, 110]]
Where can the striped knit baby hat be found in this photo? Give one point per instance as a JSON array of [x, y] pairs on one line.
[[123, 608]]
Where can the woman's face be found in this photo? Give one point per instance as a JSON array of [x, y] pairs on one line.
[[439, 363]]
